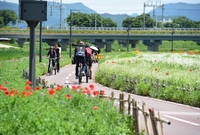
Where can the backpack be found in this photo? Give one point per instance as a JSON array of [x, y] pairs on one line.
[[89, 51], [80, 51]]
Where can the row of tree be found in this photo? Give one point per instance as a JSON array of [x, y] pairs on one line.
[[79, 19]]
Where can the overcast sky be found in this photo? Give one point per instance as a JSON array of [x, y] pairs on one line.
[[119, 6]]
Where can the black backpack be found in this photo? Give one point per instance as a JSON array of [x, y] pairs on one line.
[[80, 51]]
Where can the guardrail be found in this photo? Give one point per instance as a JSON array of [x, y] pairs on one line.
[[101, 30]]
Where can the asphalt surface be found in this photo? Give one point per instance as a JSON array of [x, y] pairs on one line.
[[185, 120]]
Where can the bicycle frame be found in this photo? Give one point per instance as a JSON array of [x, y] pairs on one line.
[[50, 70]]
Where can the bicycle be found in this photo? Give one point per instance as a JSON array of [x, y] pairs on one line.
[[80, 75], [51, 68]]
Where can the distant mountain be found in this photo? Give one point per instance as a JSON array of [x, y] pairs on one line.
[[171, 10]]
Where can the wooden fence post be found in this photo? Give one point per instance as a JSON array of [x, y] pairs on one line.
[[121, 103], [157, 87], [129, 104], [144, 110], [161, 125], [135, 116], [153, 121]]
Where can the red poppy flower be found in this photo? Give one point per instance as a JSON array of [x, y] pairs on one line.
[[68, 96], [86, 91], [102, 92], [74, 87], [96, 93], [37, 88], [167, 73], [59, 85], [91, 86], [7, 93], [95, 107], [6, 82], [28, 82], [58, 88], [51, 92], [27, 87], [25, 93]]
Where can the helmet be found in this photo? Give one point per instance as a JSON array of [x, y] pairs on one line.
[[52, 47], [81, 43], [87, 45]]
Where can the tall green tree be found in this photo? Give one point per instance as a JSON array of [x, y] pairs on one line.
[[88, 20], [138, 21], [107, 22], [9, 16]]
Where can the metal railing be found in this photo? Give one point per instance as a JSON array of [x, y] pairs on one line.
[[104, 30]]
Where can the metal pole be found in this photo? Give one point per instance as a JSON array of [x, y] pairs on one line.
[[70, 36], [32, 78], [95, 21], [60, 14], [162, 14], [128, 37], [172, 40], [40, 51], [144, 17]]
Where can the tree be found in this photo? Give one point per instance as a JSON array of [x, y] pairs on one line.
[[107, 22], [9, 16], [138, 21], [88, 20]]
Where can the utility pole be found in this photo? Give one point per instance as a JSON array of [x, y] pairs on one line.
[[150, 4], [95, 21], [57, 6], [70, 32], [162, 14], [60, 14]]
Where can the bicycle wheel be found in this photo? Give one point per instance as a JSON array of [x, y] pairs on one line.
[[87, 74], [50, 70], [55, 69], [79, 74]]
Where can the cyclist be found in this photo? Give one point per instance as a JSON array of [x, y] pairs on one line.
[[51, 54], [89, 58], [80, 56], [58, 53]]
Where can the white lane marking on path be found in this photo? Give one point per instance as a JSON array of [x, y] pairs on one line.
[[66, 81], [180, 113], [70, 74], [192, 123], [67, 77]]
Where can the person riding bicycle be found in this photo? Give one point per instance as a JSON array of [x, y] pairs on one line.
[[80, 56], [58, 53], [89, 58], [51, 54]]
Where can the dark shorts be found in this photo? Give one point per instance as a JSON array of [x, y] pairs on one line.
[[89, 60]]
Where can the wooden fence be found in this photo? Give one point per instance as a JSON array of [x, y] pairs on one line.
[[131, 107]]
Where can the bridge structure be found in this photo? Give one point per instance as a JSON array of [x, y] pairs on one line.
[[101, 37]]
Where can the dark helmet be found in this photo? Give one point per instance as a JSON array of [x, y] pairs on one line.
[[87, 45]]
